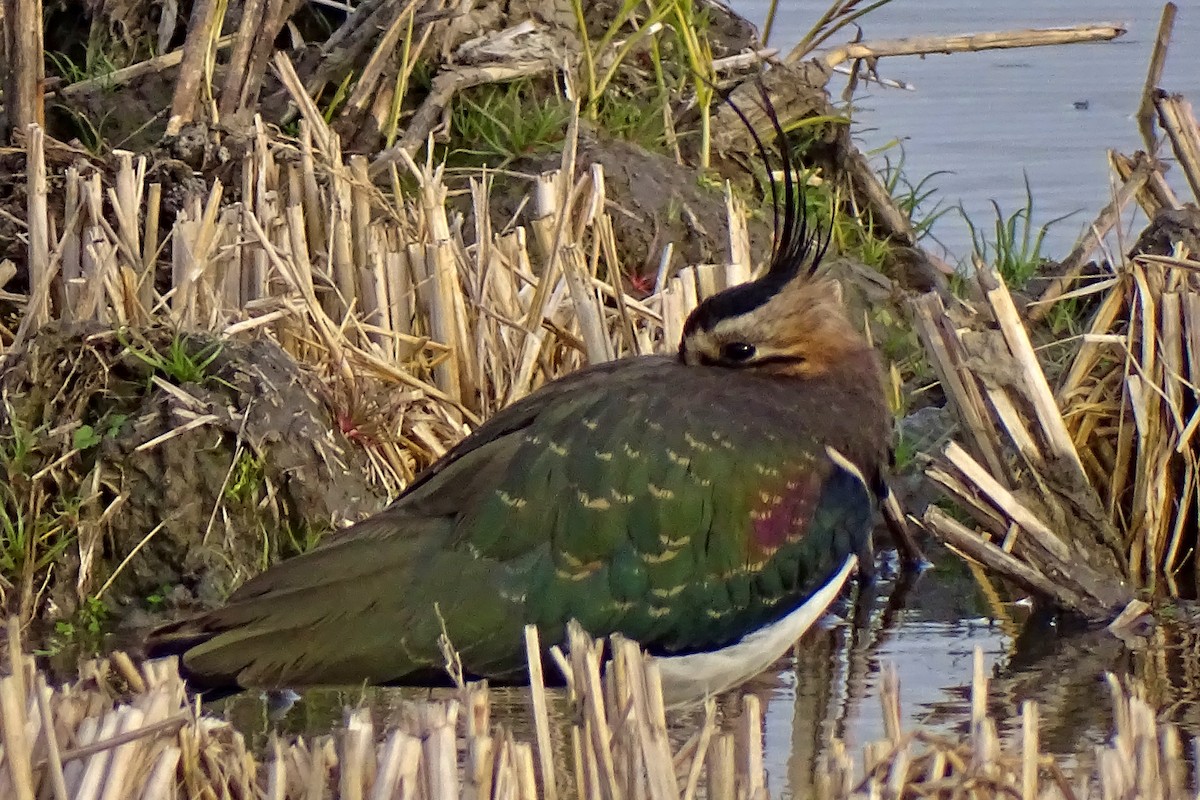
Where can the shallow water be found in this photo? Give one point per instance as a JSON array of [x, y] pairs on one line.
[[829, 686], [985, 119]]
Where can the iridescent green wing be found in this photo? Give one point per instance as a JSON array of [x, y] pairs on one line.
[[371, 603], [369, 606], [681, 514], [682, 524]]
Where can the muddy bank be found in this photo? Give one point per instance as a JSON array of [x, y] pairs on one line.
[[153, 470]]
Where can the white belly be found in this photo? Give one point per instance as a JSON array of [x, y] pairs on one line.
[[690, 678]]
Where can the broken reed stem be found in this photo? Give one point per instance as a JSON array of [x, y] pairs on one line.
[[988, 380], [273, 20], [203, 30], [39, 225], [968, 43], [1112, 451], [541, 719], [1156, 194], [150, 743], [918, 763], [373, 71], [371, 289], [25, 72], [1154, 73], [125, 75], [252, 12], [974, 546], [1037, 388], [945, 350], [1177, 120], [1110, 215]]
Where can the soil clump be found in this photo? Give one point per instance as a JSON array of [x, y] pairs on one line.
[[153, 470]]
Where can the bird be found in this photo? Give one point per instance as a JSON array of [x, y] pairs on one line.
[[700, 503]]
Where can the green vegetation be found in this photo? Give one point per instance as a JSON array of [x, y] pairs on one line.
[[93, 131], [595, 82], [247, 479], [301, 537], [839, 15], [904, 453], [97, 63], [91, 118], [156, 600], [854, 235], [497, 124], [637, 120], [31, 538], [691, 28], [82, 632], [86, 436], [35, 526], [339, 97], [912, 198], [1015, 248], [178, 363], [1065, 316]]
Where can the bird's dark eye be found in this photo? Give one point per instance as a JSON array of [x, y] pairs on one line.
[[737, 351]]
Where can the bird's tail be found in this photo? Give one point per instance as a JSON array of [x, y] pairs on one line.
[[175, 639]]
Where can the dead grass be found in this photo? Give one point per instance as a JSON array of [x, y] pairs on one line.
[[356, 267], [367, 286]]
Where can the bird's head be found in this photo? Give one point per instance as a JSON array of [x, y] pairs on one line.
[[798, 330], [789, 321]]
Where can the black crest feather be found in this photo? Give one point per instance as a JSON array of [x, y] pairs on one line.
[[798, 245]]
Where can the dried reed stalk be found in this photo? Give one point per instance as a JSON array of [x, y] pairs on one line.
[[25, 71], [1073, 265], [128, 731], [38, 220], [1154, 73], [373, 289], [243, 41], [153, 741], [125, 75], [1141, 759], [967, 43], [1156, 194], [999, 391], [1107, 462], [1176, 118], [203, 31], [1111, 451]]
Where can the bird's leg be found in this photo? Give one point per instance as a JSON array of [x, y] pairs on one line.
[[911, 557]]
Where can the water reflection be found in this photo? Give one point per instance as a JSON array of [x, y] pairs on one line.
[[829, 686], [927, 628]]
